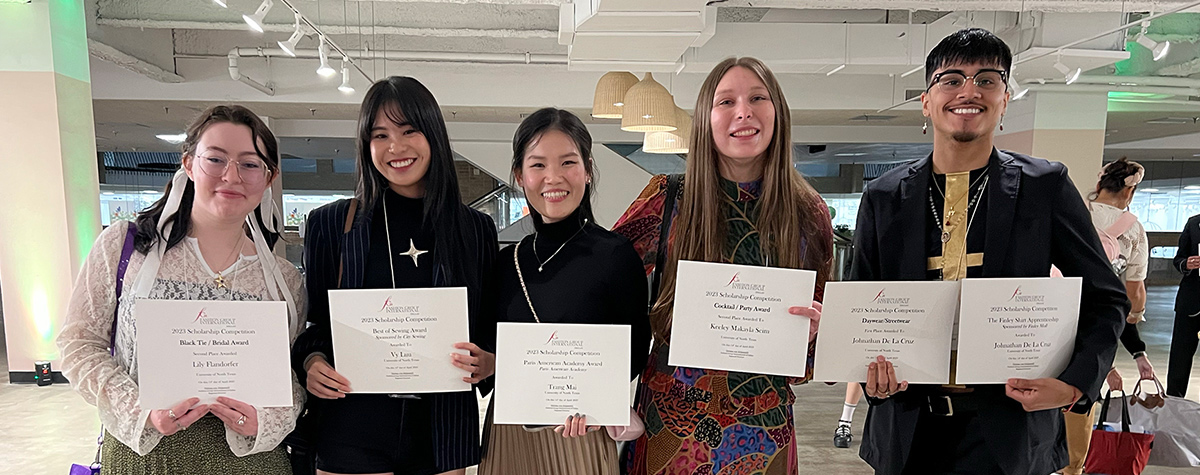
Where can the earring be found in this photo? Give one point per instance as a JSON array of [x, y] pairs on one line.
[[1002, 123], [925, 128]]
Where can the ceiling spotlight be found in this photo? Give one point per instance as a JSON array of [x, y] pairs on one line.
[[1068, 75], [256, 20], [289, 46], [174, 139], [325, 70], [1158, 49], [221, 3], [346, 88]]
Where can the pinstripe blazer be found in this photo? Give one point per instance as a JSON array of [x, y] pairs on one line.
[[454, 416]]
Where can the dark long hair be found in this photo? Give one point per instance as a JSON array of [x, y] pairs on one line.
[[538, 123], [147, 220], [404, 96], [790, 209]]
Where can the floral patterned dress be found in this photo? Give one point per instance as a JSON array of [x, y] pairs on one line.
[[703, 421]]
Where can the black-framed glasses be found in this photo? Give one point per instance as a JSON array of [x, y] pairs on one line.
[[252, 171], [986, 80]]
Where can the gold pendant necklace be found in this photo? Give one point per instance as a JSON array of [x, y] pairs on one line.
[[220, 279]]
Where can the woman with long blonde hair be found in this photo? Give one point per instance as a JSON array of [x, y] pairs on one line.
[[741, 201]]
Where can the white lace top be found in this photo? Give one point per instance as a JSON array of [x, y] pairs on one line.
[[111, 383], [1134, 243]]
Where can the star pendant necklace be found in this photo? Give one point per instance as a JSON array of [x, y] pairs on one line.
[[412, 251]]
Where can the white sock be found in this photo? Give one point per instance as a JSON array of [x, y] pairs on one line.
[[847, 413]]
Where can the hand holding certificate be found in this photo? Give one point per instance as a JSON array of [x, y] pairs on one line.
[[398, 340], [1016, 328], [206, 349], [546, 372], [737, 318], [908, 323]]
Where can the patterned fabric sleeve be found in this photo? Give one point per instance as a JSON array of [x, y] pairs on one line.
[[84, 342], [640, 223], [1139, 256], [275, 423]]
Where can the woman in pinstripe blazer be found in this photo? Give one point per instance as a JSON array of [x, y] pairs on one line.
[[407, 199]]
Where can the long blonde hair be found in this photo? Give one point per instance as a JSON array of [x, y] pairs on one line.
[[787, 204]]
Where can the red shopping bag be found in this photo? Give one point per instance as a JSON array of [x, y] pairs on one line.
[[1117, 453]]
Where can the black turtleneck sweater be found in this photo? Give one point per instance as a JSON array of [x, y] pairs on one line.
[[404, 223], [597, 278]]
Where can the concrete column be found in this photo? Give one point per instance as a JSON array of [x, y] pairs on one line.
[[50, 183], [1065, 127]]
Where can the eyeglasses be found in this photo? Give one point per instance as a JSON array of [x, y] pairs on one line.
[[252, 171], [986, 80]]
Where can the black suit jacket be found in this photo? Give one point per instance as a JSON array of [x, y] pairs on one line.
[[1187, 301], [1035, 218], [454, 416]]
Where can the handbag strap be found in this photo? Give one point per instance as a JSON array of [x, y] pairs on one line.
[[122, 265], [664, 234], [521, 277], [1124, 411]]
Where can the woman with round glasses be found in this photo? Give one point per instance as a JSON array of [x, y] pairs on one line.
[[195, 243]]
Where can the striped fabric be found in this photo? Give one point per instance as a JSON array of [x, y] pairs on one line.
[[455, 416]]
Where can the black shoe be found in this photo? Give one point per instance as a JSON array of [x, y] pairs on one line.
[[842, 436]]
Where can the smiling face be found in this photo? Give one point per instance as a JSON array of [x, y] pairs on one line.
[[229, 175], [968, 113], [553, 175], [399, 152], [742, 118]]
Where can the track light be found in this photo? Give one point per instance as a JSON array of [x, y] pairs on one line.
[[289, 46], [1068, 75], [912, 71], [325, 70], [221, 3], [256, 20], [346, 88], [1158, 49]]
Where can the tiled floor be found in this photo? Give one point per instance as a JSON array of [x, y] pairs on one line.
[[45, 429]]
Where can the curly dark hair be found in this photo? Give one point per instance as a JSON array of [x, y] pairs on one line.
[[1112, 178]]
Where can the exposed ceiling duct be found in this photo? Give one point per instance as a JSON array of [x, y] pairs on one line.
[[636, 35]]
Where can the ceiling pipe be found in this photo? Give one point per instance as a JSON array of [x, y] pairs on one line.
[[1077, 87], [1132, 81], [1059, 49], [443, 57], [236, 75]]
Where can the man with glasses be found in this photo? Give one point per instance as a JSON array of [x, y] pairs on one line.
[[971, 211]]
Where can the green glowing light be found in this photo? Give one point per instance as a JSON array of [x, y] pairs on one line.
[[1136, 95]]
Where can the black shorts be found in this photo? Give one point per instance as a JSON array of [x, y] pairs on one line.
[[373, 433]]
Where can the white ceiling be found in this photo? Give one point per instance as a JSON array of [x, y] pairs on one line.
[[155, 41]]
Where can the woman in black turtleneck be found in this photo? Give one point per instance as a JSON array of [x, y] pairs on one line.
[[575, 272]]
